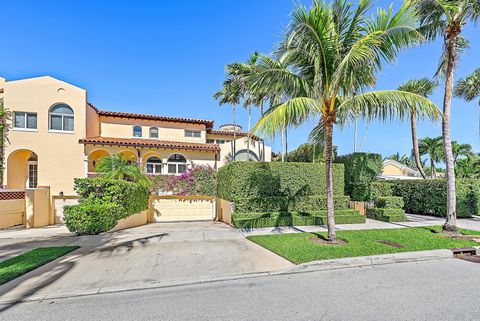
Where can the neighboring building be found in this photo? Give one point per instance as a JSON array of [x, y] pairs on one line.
[[56, 135], [395, 170]]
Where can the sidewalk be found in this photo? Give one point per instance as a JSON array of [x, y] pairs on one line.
[[413, 221]]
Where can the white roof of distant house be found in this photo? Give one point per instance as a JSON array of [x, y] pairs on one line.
[[411, 173]]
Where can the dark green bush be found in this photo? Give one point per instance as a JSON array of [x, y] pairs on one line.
[[92, 217], [430, 196], [131, 196], [254, 180], [389, 202], [360, 170], [275, 219], [288, 204], [387, 214]]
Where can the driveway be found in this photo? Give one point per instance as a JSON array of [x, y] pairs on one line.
[[142, 257]]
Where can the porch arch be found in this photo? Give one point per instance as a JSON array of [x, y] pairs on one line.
[[20, 164]]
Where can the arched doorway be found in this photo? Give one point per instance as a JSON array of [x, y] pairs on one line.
[[94, 158], [22, 170]]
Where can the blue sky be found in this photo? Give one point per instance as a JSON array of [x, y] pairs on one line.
[[168, 58]]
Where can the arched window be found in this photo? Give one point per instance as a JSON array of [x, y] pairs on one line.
[[154, 165], [177, 164], [243, 155], [61, 118], [153, 132], [137, 131]]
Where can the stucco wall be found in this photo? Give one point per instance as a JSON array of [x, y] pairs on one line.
[[393, 170], [123, 128], [60, 156], [11, 212]]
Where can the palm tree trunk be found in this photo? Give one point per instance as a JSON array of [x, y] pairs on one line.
[[248, 134], [263, 142], [416, 152], [451, 221], [234, 133], [432, 167], [332, 237]]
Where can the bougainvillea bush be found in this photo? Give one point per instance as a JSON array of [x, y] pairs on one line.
[[199, 180]]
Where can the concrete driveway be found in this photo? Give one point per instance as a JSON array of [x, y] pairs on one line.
[[142, 257]]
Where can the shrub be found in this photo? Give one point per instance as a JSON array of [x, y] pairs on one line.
[[275, 219], [133, 197], [199, 180], [288, 204], [360, 170], [389, 202], [387, 214], [254, 180], [430, 196], [92, 217]]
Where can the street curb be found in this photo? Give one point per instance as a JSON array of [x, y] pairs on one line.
[[323, 265]]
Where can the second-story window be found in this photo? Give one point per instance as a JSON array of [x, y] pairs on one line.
[[26, 121], [193, 133], [61, 118], [137, 131], [153, 132]]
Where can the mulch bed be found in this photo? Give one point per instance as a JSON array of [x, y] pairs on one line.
[[324, 241]]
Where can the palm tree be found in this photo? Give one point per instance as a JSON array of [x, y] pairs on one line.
[[425, 88], [458, 150], [469, 89], [468, 167], [3, 138], [434, 149], [331, 52], [120, 168], [446, 18]]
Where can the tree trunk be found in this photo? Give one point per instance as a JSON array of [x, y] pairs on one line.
[[248, 134], [451, 221], [432, 166], [332, 237], [234, 134], [416, 152], [263, 142]]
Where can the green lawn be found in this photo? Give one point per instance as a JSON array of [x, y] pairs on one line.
[[298, 248], [28, 261]]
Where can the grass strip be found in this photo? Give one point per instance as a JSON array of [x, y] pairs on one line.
[[28, 261], [299, 248]]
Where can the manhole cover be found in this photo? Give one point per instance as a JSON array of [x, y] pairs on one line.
[[392, 244]]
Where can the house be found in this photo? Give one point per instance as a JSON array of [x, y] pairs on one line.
[[395, 170], [56, 135]]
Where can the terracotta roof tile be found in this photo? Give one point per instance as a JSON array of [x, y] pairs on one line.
[[140, 142], [230, 133]]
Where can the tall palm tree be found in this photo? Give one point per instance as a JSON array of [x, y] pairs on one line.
[[468, 167], [3, 138], [432, 147], [469, 89], [331, 52], [425, 88], [446, 18], [118, 167], [459, 150]]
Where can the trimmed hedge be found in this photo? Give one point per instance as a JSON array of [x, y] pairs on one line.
[[389, 202], [360, 170], [255, 180], [287, 204], [430, 196], [92, 217], [275, 219], [387, 214], [102, 203], [131, 196]]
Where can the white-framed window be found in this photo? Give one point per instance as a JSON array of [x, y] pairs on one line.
[[153, 132], [176, 164], [24, 120], [220, 141], [210, 141], [32, 171], [137, 131], [61, 118], [154, 165], [193, 133]]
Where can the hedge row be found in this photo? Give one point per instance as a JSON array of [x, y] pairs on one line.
[[255, 180], [360, 170], [275, 219], [387, 214], [102, 203], [389, 202], [430, 196], [288, 204]]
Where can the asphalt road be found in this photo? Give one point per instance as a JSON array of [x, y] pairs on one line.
[[432, 290]]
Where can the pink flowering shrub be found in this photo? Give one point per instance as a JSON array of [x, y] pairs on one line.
[[199, 180]]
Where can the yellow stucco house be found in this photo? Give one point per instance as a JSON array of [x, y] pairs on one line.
[[395, 170], [56, 135]]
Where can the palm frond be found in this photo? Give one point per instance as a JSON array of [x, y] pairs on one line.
[[469, 88]]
